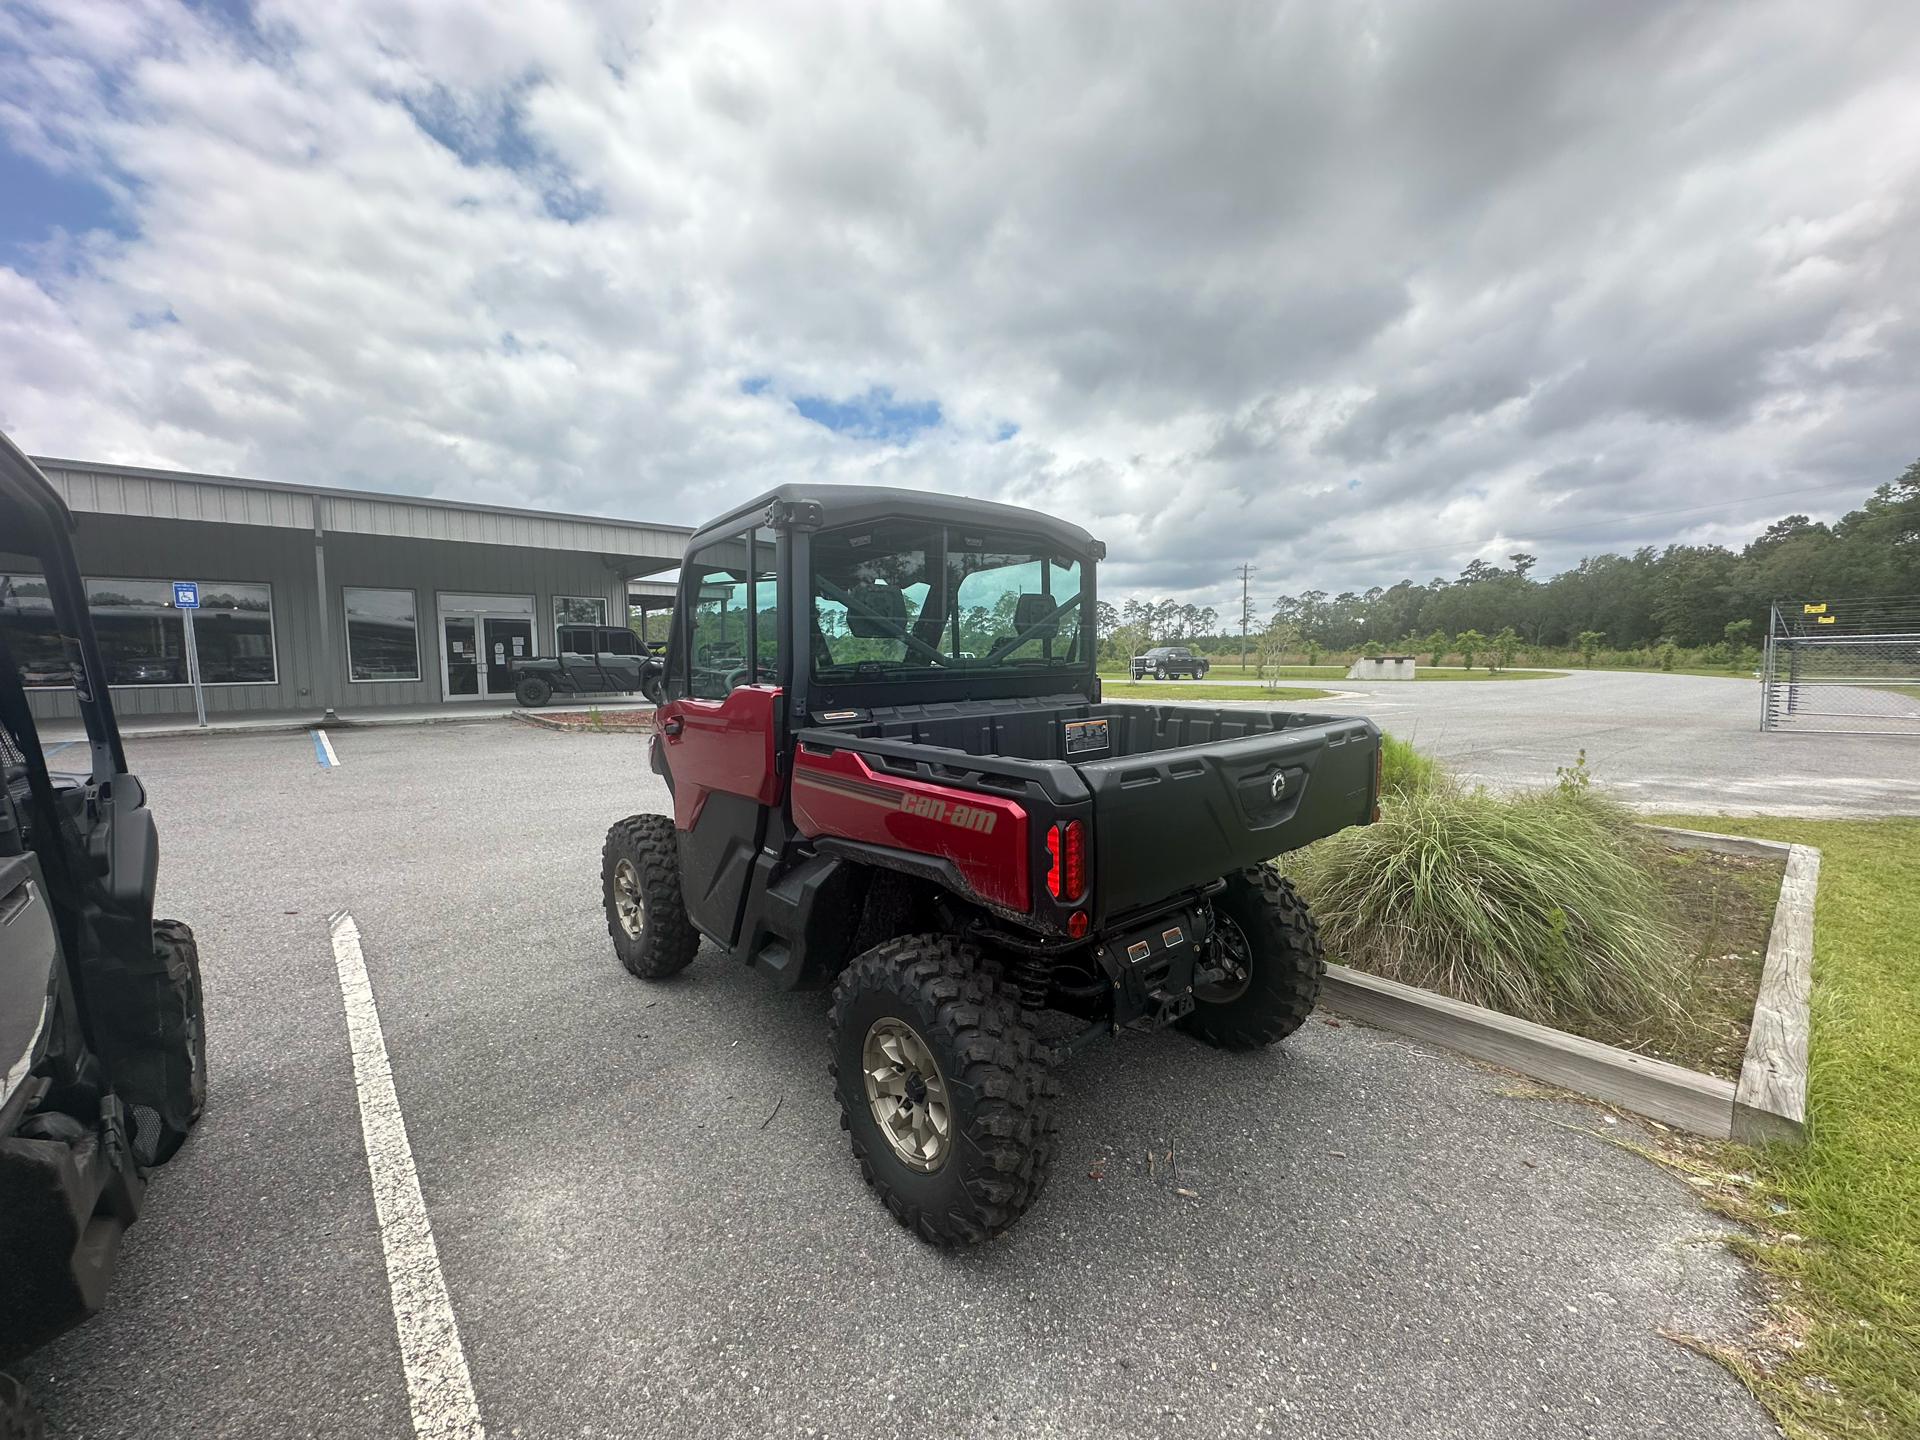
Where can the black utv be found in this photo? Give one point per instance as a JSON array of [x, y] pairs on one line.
[[102, 1052], [593, 660]]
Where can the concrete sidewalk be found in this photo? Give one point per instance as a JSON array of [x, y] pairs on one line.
[[266, 722]]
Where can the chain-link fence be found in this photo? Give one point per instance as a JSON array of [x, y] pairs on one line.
[[1845, 667]]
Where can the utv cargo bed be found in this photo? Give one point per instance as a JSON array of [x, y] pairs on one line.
[[1181, 794]]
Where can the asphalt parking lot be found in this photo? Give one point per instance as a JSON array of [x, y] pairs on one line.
[[1386, 1241], [1659, 742]]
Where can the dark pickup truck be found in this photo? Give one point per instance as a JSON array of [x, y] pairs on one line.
[[1168, 662], [914, 793]]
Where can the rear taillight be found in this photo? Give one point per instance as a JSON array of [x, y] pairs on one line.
[[1067, 860], [1379, 764]]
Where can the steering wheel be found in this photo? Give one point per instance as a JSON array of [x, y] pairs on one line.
[[762, 675]]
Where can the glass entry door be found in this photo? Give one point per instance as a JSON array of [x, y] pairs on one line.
[[481, 637], [463, 659], [505, 641]]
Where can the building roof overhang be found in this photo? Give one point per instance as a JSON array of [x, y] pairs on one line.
[[92, 488]]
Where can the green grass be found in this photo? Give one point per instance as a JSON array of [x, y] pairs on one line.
[[1406, 771], [1844, 1246], [1185, 690], [1339, 672]]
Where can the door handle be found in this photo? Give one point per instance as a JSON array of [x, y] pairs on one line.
[[672, 725]]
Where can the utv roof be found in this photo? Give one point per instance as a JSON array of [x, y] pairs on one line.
[[851, 504]]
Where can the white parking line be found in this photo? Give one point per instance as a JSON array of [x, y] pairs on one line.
[[323, 749], [439, 1390]]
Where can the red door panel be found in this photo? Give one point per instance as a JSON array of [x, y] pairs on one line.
[[724, 745], [984, 835]]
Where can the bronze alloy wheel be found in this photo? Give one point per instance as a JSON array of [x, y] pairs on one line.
[[628, 903], [1233, 954], [907, 1093]]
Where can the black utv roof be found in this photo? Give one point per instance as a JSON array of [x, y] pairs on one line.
[[852, 504]]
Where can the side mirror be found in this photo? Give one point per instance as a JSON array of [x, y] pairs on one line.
[[1029, 611], [873, 603]]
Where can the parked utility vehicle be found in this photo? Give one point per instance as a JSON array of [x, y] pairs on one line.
[[102, 1052], [593, 660], [892, 773]]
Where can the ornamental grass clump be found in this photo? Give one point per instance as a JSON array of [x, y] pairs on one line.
[[1533, 906]]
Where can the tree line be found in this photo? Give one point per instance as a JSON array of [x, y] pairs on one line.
[[1684, 595]]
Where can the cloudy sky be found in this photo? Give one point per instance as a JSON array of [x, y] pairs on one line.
[[1349, 290]]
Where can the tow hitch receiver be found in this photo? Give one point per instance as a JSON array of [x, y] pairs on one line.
[[1155, 967]]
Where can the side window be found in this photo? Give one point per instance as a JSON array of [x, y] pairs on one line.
[[766, 603], [717, 598]]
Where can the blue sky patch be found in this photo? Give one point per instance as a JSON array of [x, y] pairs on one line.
[[490, 130], [1005, 430], [39, 199], [755, 384], [875, 415]]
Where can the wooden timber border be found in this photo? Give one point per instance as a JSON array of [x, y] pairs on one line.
[[1769, 1102]]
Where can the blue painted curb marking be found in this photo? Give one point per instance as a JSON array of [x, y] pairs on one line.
[[323, 748]]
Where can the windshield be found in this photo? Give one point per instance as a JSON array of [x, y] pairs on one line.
[[905, 599]]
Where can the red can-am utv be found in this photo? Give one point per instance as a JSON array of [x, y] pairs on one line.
[[892, 773]]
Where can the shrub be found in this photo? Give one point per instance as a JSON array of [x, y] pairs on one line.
[[1534, 906], [1406, 771]]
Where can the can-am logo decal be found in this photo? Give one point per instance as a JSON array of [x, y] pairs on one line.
[[966, 817]]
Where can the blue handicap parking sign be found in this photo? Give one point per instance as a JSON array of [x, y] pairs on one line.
[[186, 595]]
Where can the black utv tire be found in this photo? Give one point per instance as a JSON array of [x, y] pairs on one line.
[[532, 692], [640, 890], [1286, 964], [996, 1076], [175, 950], [18, 1419]]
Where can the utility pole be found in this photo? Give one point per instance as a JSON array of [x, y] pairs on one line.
[[1246, 611]]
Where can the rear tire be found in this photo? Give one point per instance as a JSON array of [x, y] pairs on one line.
[[640, 891], [928, 999], [532, 692], [1283, 964]]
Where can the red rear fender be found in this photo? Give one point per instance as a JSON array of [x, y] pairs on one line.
[[984, 835]]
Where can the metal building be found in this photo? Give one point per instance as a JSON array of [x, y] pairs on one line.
[[313, 599]]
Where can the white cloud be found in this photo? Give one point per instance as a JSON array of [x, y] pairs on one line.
[[1514, 268]]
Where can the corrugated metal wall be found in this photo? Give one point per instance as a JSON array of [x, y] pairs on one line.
[[135, 548]]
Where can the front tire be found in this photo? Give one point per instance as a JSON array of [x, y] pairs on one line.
[[1263, 930], [185, 1024], [640, 891], [532, 692], [945, 1094]]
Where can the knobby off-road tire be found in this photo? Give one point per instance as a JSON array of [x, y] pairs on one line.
[[18, 1419], [640, 890], [533, 692], [1284, 961], [174, 948], [996, 1077]]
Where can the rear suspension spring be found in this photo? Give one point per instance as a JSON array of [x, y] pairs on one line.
[[1034, 975]]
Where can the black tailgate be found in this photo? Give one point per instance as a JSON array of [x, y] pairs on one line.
[[1168, 819]]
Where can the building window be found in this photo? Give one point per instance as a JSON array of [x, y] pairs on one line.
[[577, 610], [383, 635], [233, 634], [143, 639]]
